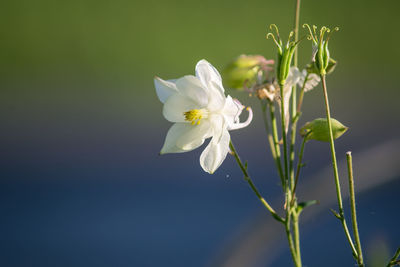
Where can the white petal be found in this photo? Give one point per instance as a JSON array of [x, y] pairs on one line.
[[184, 137], [287, 92], [216, 100], [215, 153], [232, 109], [293, 77], [312, 81], [164, 89], [209, 75], [240, 125], [191, 87], [175, 107]]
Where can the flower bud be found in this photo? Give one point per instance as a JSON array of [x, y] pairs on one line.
[[318, 130], [285, 54], [321, 54], [244, 70]]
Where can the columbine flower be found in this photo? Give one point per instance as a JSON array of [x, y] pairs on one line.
[[199, 109]]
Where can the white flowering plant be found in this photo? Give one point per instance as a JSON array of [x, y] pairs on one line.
[[199, 109]]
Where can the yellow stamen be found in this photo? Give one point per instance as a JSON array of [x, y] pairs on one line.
[[195, 115]]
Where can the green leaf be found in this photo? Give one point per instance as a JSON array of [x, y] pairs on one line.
[[305, 204]]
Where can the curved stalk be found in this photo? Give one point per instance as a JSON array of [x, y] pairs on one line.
[[253, 187]]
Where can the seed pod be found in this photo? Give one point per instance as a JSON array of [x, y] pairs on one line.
[[318, 130]]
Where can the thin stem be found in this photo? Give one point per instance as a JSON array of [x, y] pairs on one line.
[[299, 165], [296, 234], [393, 261], [353, 208], [275, 153], [276, 143], [302, 94], [253, 187], [294, 97], [291, 243], [283, 124], [335, 169]]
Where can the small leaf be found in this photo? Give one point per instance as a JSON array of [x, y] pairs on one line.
[[305, 204], [336, 214], [318, 129]]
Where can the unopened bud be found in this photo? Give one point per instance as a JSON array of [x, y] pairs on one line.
[[243, 71], [318, 129], [321, 54]]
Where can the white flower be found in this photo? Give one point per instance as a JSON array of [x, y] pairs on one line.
[[199, 109]]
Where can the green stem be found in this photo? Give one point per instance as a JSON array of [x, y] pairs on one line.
[[302, 94], [274, 149], [335, 169], [283, 124], [353, 209], [253, 187], [292, 247], [299, 165], [276, 143], [296, 234], [295, 221], [393, 261], [294, 97]]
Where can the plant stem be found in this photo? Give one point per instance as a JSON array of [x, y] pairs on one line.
[[393, 261], [290, 240], [353, 209], [295, 221], [335, 169], [276, 154], [253, 187], [296, 233], [294, 97], [302, 94], [299, 165], [283, 124], [276, 143]]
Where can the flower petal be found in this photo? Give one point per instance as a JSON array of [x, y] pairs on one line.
[[215, 153], [240, 125], [184, 137], [164, 88], [232, 109], [209, 75], [211, 80], [175, 107], [191, 87]]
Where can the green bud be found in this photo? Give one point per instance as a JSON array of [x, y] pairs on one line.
[[321, 55], [318, 130], [285, 53], [243, 71]]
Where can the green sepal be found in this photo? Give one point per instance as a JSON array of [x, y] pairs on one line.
[[312, 68]]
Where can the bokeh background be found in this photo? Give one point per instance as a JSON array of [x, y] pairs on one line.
[[81, 182]]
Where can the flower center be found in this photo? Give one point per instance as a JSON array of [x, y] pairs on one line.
[[195, 115]]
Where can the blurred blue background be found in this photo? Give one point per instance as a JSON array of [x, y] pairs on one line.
[[81, 127]]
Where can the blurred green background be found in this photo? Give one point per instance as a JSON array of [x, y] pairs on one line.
[[78, 109]]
